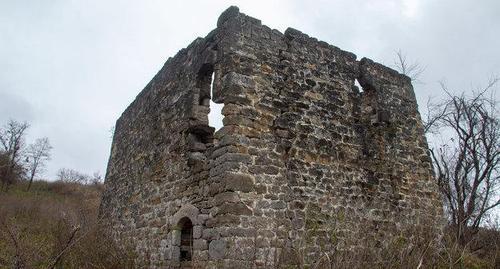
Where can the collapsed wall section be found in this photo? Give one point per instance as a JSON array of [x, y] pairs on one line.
[[305, 161]]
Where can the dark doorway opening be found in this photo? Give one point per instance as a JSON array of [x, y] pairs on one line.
[[186, 239]]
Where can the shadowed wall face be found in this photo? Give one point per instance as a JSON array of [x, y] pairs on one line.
[[305, 160]]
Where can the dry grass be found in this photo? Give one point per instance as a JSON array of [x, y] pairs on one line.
[[417, 248], [55, 226]]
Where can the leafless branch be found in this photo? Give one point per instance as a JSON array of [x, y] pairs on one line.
[[411, 69], [467, 166], [19, 262], [70, 242], [12, 146], [38, 154]]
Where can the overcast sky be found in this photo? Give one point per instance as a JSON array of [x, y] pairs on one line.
[[70, 67]]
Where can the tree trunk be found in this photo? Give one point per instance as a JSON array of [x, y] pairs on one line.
[[31, 181]]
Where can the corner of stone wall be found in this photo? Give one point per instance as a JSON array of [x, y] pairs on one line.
[[220, 157], [230, 12], [244, 186], [380, 78], [395, 150]]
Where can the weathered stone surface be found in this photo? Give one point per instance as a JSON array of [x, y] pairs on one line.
[[210, 234], [200, 244], [239, 182], [234, 208], [217, 249], [229, 196], [197, 232], [305, 159]]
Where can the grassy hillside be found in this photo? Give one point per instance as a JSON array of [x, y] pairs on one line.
[[55, 225]]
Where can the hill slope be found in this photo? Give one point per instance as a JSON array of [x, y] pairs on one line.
[[55, 225]]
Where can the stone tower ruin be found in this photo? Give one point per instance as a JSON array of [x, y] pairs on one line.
[[305, 158]]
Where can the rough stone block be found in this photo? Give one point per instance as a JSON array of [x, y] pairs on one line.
[[239, 182], [197, 231], [231, 197], [200, 244], [175, 253], [217, 249], [235, 209], [210, 234], [176, 237]]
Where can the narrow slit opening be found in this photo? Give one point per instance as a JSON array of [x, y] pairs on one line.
[[356, 83], [186, 247], [215, 115]]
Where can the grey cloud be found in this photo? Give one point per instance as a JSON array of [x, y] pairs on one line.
[[72, 67], [14, 107]]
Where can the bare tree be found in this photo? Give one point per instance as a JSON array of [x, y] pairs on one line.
[[12, 146], [467, 163], [37, 154], [72, 176], [96, 178], [411, 69], [4, 167]]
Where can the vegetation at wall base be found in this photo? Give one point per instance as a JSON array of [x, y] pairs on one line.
[[55, 225]]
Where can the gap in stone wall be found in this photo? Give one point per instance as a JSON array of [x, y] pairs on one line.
[[215, 116], [356, 83]]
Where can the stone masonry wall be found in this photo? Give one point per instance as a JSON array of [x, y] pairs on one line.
[[305, 160]]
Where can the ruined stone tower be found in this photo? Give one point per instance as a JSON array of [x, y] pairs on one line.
[[305, 159]]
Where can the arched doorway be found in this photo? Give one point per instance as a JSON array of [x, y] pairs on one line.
[[186, 239]]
